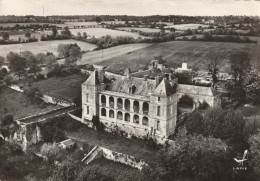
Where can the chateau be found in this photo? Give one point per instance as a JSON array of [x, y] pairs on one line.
[[138, 106]]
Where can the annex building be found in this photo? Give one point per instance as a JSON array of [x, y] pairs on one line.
[[138, 106]]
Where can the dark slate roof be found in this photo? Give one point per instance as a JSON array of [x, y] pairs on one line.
[[198, 90], [152, 73], [141, 87], [149, 73]]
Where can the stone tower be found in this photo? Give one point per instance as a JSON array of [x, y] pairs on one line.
[[163, 102], [90, 97]]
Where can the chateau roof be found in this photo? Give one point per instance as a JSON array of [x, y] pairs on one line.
[[164, 89], [122, 85], [198, 90], [92, 80]]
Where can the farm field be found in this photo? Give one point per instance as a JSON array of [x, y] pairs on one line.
[[24, 24], [140, 29], [99, 32], [42, 46], [19, 105], [66, 88], [186, 26], [196, 54], [109, 53]]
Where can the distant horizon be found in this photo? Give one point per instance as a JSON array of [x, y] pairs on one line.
[[130, 7], [130, 15]]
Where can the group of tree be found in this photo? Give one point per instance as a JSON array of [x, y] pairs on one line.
[[206, 143], [71, 52], [245, 87], [27, 63], [214, 38], [64, 34], [5, 39]]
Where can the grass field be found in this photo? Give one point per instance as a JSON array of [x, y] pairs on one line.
[[19, 105], [133, 147], [140, 29], [42, 46], [95, 57], [186, 26], [98, 32], [65, 88], [196, 54]]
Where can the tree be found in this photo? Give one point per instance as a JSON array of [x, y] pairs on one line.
[[54, 31], [66, 31], [254, 160], [240, 63], [5, 35], [85, 35], [79, 35], [68, 170], [50, 150], [71, 52], [27, 34], [17, 63], [197, 157], [2, 60], [213, 67], [97, 124], [98, 19], [251, 86]]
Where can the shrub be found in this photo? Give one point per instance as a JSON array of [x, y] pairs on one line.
[[152, 143], [204, 105], [186, 100]]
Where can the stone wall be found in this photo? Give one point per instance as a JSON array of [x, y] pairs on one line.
[[124, 159], [46, 98]]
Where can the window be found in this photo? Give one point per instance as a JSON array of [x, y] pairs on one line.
[[159, 99], [87, 109], [158, 125], [145, 121], [103, 112], [87, 97], [158, 110]]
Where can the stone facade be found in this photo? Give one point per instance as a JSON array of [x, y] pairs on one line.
[[137, 106]]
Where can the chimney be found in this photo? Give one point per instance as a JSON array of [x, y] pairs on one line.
[[145, 77], [184, 66], [101, 75], [128, 73], [157, 80]]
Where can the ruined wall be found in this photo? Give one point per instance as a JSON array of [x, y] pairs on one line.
[[46, 98], [124, 159]]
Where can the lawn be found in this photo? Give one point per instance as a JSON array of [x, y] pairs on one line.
[[99, 32], [42, 46], [115, 170], [133, 147], [66, 88], [195, 53], [19, 105]]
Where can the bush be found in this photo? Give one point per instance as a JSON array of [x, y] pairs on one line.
[[152, 143], [204, 105], [186, 100]]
